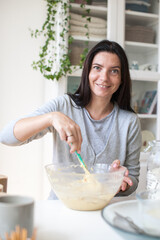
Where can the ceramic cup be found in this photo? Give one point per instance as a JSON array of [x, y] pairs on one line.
[[16, 211]]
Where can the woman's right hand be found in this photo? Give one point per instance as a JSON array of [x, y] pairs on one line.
[[68, 130]]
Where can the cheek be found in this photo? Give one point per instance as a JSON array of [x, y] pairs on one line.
[[118, 81], [116, 84], [91, 77]]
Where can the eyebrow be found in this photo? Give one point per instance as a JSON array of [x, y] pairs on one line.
[[111, 66], [115, 67]]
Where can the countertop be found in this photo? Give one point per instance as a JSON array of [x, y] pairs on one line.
[[54, 221]]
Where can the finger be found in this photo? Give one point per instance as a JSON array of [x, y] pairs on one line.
[[126, 172], [73, 147], [70, 139], [128, 181], [75, 138], [116, 163], [73, 143], [71, 131], [62, 135], [123, 186], [79, 139]]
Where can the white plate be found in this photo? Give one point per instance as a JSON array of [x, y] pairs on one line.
[[126, 209]]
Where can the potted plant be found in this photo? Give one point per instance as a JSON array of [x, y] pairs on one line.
[[54, 60]]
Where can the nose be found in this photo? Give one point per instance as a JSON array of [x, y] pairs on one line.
[[104, 75]]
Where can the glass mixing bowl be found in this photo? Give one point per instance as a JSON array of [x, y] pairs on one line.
[[80, 190]]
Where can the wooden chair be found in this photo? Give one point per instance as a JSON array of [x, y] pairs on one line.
[[3, 182]]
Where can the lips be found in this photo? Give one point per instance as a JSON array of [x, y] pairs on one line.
[[102, 86]]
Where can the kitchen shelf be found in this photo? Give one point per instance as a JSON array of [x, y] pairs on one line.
[[139, 18], [95, 11], [149, 116], [147, 76], [80, 39], [139, 47]]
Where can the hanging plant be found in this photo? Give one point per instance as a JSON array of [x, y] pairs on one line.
[[54, 59]]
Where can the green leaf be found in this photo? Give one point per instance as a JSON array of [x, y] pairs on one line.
[[88, 10], [47, 55]]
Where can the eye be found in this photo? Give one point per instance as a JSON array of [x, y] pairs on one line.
[[115, 71], [96, 67]]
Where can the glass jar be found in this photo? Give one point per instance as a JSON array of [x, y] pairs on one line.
[[153, 166], [135, 65]]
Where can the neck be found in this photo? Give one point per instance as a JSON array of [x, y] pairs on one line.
[[99, 109]]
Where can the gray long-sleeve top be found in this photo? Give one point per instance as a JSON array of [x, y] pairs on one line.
[[123, 141]]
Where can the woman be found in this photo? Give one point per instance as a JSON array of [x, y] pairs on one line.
[[97, 120]]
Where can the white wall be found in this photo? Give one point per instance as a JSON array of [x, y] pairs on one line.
[[22, 90]]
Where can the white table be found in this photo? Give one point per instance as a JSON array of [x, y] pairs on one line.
[[54, 221]]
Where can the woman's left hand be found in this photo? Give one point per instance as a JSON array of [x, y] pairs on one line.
[[127, 182]]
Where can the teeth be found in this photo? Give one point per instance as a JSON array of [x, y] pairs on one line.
[[102, 86]]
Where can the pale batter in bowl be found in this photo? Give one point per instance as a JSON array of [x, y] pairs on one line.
[[80, 190]]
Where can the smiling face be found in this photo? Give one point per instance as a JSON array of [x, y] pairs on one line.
[[105, 75]]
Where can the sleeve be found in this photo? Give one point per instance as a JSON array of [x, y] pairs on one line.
[[133, 154], [7, 134]]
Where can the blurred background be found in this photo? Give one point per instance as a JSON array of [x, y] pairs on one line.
[[22, 90]]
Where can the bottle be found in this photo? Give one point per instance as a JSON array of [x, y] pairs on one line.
[[153, 166], [134, 65]]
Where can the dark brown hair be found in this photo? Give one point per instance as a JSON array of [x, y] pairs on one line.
[[123, 95]]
